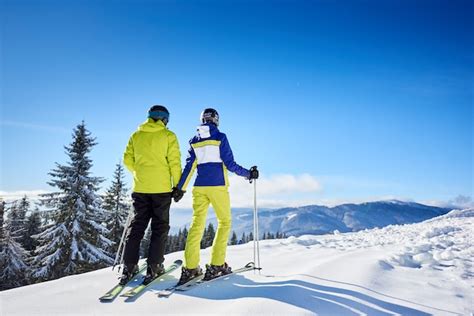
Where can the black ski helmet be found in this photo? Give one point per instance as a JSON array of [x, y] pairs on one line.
[[159, 112], [210, 116]]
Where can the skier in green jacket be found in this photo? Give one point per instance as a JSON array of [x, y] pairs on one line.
[[154, 159]]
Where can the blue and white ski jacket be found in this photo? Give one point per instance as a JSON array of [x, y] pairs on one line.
[[210, 152]]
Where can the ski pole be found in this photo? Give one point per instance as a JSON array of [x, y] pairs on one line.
[[121, 247], [256, 247]]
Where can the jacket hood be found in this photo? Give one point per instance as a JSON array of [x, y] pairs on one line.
[[207, 130], [151, 126]]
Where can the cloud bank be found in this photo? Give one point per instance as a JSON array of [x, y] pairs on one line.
[[272, 192], [277, 191], [16, 195]]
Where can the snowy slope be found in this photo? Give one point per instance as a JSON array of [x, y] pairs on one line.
[[415, 269]]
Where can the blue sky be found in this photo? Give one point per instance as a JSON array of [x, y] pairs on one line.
[[369, 99]]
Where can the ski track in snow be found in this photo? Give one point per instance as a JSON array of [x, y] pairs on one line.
[[415, 269]]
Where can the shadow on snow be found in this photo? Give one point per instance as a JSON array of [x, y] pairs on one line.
[[309, 296]]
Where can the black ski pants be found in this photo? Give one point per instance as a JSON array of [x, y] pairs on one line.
[[154, 206]]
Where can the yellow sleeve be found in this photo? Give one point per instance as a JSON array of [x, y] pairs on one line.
[[174, 158], [128, 156]]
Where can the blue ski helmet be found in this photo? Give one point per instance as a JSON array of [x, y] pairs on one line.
[[159, 112]]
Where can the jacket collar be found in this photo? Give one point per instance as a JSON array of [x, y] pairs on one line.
[[151, 126], [207, 130]]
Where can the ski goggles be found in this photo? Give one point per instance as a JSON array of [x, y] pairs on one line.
[[159, 115]]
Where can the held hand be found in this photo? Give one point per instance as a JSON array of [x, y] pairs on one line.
[[177, 194], [253, 173]]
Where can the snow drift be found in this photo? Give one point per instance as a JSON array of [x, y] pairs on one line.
[[413, 269]]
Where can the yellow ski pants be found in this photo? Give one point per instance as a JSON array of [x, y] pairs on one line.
[[218, 196]]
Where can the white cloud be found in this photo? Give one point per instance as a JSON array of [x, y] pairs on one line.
[[283, 190], [272, 192], [460, 201]]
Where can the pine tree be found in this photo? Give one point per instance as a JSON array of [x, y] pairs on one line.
[[145, 244], [211, 234], [179, 239], [233, 239], [243, 239], [16, 218], [250, 237], [14, 270], [2, 235], [208, 236], [204, 238], [182, 239], [74, 241], [174, 242], [31, 228], [116, 207], [171, 243]]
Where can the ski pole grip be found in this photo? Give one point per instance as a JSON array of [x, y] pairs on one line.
[[253, 174]]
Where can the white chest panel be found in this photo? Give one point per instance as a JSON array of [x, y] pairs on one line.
[[209, 153]]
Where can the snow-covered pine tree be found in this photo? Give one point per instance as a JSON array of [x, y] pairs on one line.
[[16, 218], [14, 270], [116, 206], [25, 223], [32, 227], [75, 240], [2, 235]]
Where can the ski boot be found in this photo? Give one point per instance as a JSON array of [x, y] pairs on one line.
[[188, 274], [153, 271], [129, 271], [213, 271]]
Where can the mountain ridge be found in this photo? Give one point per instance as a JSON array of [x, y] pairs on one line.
[[320, 219]]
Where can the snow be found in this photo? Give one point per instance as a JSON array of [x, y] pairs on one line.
[[412, 269]]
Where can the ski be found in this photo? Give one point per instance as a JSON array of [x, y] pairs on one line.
[[137, 290], [200, 280], [168, 291], [116, 290]]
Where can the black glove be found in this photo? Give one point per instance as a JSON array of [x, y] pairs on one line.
[[253, 173], [177, 194]]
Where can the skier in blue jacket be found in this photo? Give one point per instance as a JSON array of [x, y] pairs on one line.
[[211, 154]]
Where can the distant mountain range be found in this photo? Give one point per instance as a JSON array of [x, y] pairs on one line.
[[317, 220]]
